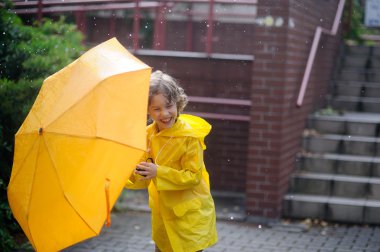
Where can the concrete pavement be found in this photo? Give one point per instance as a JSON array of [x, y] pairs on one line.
[[130, 232]]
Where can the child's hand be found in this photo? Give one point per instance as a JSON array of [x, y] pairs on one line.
[[148, 170]]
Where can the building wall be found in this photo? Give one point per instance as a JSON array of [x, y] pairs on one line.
[[256, 156], [276, 126], [226, 155]]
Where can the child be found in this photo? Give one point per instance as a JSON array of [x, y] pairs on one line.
[[183, 211]]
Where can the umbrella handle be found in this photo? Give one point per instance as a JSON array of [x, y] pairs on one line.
[[107, 188]]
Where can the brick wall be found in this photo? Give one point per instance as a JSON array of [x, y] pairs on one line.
[[276, 123], [255, 157], [226, 156]]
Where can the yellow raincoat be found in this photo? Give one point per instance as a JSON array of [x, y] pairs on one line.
[[183, 211]]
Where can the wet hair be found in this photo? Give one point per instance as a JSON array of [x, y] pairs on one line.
[[162, 83]]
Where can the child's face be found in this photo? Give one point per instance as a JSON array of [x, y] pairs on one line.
[[162, 111]]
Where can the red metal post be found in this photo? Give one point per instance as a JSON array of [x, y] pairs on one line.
[[80, 20], [112, 25], [39, 11], [136, 25], [210, 24], [189, 28], [160, 28]]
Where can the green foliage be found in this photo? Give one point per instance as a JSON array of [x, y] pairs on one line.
[[357, 27], [7, 225], [28, 54], [329, 111]]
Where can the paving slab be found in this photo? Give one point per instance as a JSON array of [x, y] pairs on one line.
[[130, 231]]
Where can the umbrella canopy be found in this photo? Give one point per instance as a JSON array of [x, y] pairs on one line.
[[78, 146]]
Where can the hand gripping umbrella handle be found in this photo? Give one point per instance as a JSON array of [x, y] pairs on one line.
[[107, 188]]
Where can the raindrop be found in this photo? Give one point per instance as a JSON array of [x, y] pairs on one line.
[[4, 33], [146, 27], [259, 226]]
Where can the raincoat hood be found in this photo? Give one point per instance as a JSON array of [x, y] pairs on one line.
[[186, 125]]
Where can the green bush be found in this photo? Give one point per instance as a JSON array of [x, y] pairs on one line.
[[357, 28], [28, 54]]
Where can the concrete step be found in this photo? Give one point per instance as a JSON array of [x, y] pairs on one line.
[[359, 75], [347, 123], [351, 103], [342, 144], [363, 50], [340, 209], [358, 89], [335, 164], [335, 185], [362, 61]]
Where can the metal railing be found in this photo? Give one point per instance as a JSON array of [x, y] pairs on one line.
[[317, 36], [159, 7]]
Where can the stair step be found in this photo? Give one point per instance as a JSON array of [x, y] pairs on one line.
[[351, 103], [360, 62], [342, 144], [362, 50], [340, 164], [360, 75], [332, 208], [335, 185], [347, 123], [358, 89], [337, 174]]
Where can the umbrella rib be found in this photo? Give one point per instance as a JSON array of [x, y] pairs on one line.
[[87, 94], [61, 187], [89, 137], [22, 162], [94, 137], [30, 198]]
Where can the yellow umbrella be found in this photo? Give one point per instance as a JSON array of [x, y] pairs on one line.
[[78, 146]]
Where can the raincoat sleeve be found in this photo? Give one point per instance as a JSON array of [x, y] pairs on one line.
[[190, 173], [134, 181]]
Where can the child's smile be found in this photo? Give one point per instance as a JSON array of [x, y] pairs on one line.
[[163, 112]]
